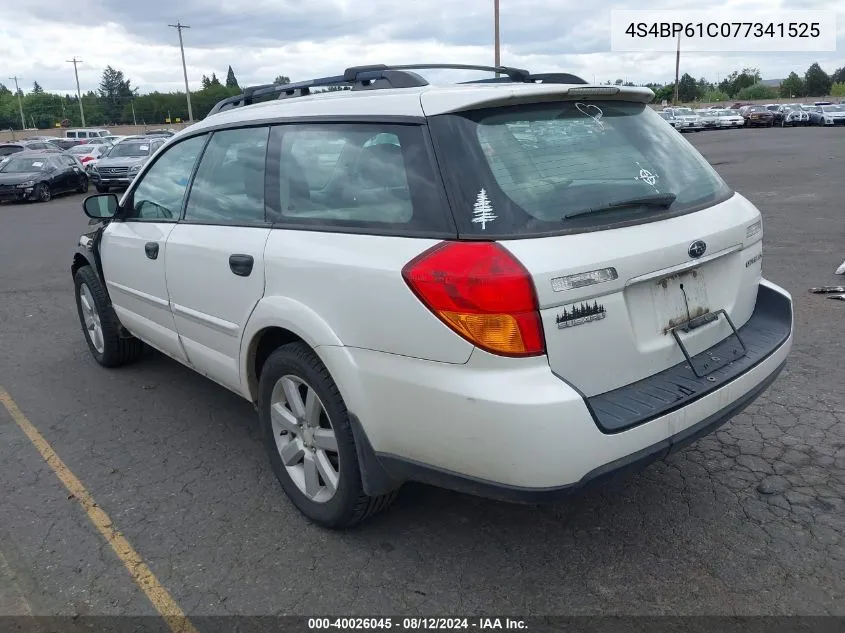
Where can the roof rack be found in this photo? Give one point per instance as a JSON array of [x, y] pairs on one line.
[[380, 76]]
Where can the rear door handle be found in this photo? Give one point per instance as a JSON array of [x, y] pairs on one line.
[[151, 248], [241, 265]]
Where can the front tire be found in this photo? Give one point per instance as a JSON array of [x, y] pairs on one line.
[[100, 324], [43, 193], [83, 186], [309, 440]]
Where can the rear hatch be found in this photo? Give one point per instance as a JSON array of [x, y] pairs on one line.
[[624, 227]]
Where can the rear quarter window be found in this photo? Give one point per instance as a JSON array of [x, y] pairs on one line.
[[360, 177], [519, 170]]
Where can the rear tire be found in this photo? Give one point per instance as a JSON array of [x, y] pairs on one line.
[[100, 323], [337, 501]]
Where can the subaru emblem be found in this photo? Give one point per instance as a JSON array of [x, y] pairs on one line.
[[697, 249]]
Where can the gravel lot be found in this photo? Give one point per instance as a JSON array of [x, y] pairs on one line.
[[750, 520]]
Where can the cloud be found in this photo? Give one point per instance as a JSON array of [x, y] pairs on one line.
[[265, 38]]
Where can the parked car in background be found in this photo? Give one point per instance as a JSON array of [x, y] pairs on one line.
[[38, 176], [708, 118], [827, 115], [124, 161], [757, 116], [159, 133], [85, 133], [730, 118], [671, 119], [689, 119], [66, 143], [88, 152], [775, 109], [15, 147], [793, 114]]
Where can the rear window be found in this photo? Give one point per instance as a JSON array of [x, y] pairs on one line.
[[520, 171], [5, 150]]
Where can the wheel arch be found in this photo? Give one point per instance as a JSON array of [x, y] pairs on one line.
[[274, 322]]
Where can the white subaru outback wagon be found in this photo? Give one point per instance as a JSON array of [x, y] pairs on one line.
[[510, 287]]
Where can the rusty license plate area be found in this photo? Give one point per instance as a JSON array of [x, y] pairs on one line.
[[679, 298]]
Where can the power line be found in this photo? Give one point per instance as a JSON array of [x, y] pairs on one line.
[[75, 61], [20, 101], [179, 26]]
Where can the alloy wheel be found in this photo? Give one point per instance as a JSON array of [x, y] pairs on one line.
[[305, 438], [91, 318]]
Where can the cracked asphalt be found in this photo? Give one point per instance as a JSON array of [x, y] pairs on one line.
[[747, 521]]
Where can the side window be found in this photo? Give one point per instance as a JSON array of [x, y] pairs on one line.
[[229, 185], [161, 191], [68, 161], [71, 135], [354, 175]]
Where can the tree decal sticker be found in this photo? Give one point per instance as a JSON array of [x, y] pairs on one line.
[[580, 314], [482, 210]]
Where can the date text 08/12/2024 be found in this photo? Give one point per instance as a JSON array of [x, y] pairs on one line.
[[416, 623]]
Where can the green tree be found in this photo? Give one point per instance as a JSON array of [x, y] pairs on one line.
[[282, 80], [715, 96], [756, 92], [687, 88], [838, 76], [792, 86], [214, 80], [115, 92], [738, 80], [817, 82], [37, 89], [206, 82], [838, 89], [663, 93], [231, 80]]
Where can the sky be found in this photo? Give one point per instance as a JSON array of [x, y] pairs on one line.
[[311, 38]]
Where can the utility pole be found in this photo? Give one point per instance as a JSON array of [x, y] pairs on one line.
[[134, 120], [497, 51], [75, 61], [179, 26], [20, 101], [677, 69]]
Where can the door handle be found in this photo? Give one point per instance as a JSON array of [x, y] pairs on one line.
[[151, 248], [241, 265]]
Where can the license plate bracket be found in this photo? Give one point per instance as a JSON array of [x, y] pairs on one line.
[[707, 362]]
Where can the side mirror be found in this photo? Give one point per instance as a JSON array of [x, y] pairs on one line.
[[101, 206]]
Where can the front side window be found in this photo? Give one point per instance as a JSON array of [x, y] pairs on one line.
[[369, 176], [585, 169], [161, 191], [229, 185]]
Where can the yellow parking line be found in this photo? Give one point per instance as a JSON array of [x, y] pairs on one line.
[[141, 574]]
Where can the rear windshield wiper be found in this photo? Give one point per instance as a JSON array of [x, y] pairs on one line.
[[663, 200]]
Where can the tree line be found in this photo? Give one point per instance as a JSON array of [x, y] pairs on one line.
[[116, 101], [745, 85]]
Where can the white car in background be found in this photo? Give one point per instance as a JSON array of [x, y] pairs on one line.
[[729, 118], [671, 119], [708, 117], [690, 121]]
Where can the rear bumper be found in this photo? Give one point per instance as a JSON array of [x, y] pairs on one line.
[[510, 429]]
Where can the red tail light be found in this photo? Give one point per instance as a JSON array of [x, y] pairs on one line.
[[85, 159], [483, 293]]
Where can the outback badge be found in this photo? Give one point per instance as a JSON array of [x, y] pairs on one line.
[[580, 314]]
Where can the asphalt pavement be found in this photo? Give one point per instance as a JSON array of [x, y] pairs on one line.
[[750, 520]]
